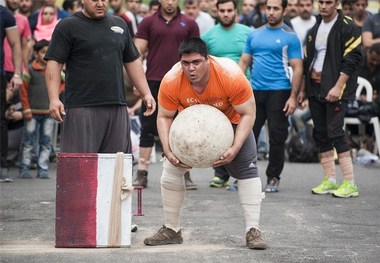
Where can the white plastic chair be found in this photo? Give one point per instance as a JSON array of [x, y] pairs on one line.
[[364, 84]]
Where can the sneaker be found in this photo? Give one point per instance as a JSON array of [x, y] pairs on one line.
[[141, 179], [4, 176], [346, 189], [326, 187], [233, 187], [164, 236], [6, 180], [254, 239], [272, 186], [25, 174], [189, 183], [42, 174], [218, 183], [262, 156]]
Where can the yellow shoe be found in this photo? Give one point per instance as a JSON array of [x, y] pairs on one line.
[[346, 190], [326, 187]]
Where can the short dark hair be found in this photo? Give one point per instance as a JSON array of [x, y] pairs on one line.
[[284, 3], [193, 45], [226, 1], [68, 4], [346, 2], [191, 2], [153, 3], [41, 44]]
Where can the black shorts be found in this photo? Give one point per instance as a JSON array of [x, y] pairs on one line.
[[149, 123]]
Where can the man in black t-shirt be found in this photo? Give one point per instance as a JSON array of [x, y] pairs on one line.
[[94, 46]]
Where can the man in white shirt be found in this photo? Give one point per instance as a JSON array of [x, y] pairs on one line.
[[204, 20], [305, 20], [132, 11]]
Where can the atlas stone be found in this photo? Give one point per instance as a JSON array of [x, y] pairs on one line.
[[199, 135]]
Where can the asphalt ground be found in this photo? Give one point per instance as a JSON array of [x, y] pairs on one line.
[[298, 226]]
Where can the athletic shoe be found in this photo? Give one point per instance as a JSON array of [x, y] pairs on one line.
[[326, 187], [346, 189], [6, 180], [141, 179], [233, 187], [218, 183], [189, 183], [272, 186], [25, 174], [254, 239], [43, 175], [164, 236], [4, 176]]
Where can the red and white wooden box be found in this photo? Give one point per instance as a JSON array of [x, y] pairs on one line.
[[90, 209]]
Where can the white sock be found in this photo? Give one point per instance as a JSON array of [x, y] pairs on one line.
[[173, 193], [249, 191], [332, 179]]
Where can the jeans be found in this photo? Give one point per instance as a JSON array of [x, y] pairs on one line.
[[43, 125]]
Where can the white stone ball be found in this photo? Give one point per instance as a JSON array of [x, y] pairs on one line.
[[199, 135]]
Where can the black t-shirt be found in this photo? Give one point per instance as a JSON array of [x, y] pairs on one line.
[[94, 52]]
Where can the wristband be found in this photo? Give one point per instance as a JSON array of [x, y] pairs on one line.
[[16, 76]]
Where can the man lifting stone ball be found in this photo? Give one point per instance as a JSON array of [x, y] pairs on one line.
[[202, 79]]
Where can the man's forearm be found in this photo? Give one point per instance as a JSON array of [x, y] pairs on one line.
[[163, 128], [343, 78], [53, 79], [17, 58], [243, 129], [136, 73], [296, 83]]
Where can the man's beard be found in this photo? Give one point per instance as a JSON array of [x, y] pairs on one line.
[[227, 24]]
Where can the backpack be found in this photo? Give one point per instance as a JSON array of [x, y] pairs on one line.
[[301, 146]]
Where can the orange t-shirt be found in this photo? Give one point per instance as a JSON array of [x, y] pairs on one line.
[[226, 87]]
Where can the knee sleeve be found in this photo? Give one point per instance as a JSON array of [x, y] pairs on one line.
[[250, 195], [143, 164], [173, 193]]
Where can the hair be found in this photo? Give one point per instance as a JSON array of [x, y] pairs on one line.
[[191, 2], [41, 44], [346, 2], [193, 45], [68, 4], [153, 3], [226, 1], [284, 3]]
